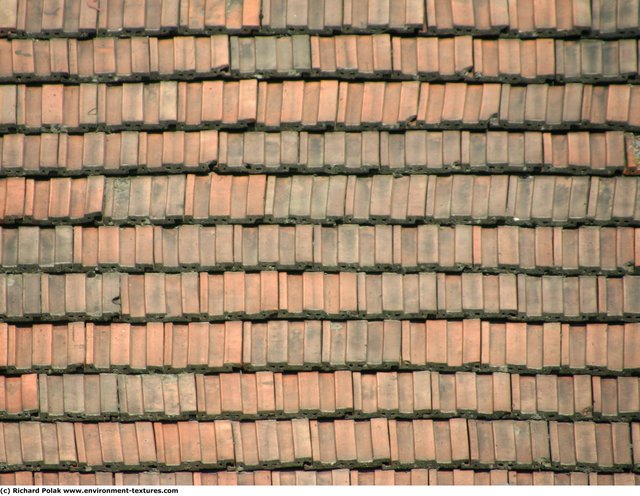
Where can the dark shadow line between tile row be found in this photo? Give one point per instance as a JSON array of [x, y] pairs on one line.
[[410, 32], [303, 268], [126, 172], [243, 126], [555, 468], [320, 417]]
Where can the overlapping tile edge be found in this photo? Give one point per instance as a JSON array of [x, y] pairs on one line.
[[319, 242]]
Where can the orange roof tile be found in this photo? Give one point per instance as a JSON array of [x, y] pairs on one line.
[[300, 242]]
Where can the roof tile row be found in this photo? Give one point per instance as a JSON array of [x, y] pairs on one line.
[[319, 394], [345, 56], [528, 18], [112, 58], [416, 476], [128, 16], [312, 344], [606, 18], [86, 106], [217, 198], [369, 248], [415, 151], [77, 154], [456, 58], [331, 152], [163, 16], [297, 442], [192, 295], [382, 198], [316, 104], [77, 199]]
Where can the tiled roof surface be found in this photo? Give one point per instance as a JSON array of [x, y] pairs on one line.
[[319, 242]]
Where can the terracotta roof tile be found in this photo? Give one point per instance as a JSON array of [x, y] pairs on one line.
[[425, 103], [187, 189], [418, 476], [229, 353], [82, 199], [450, 16]]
